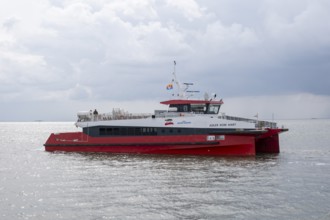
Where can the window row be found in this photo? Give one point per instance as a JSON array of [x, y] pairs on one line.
[[137, 131], [127, 131]]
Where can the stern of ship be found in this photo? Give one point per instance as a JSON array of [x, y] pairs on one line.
[[269, 141]]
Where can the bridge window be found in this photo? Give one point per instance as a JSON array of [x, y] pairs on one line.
[[180, 108], [198, 108], [213, 109]]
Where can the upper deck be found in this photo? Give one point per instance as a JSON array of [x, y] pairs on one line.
[[183, 106], [119, 114], [194, 106]]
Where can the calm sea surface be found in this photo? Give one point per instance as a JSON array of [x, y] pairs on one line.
[[35, 184]]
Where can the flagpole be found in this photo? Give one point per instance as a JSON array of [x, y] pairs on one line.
[[257, 121], [174, 66]]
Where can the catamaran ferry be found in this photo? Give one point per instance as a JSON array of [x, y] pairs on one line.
[[189, 127]]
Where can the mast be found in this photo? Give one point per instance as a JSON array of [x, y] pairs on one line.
[[176, 81], [181, 90]]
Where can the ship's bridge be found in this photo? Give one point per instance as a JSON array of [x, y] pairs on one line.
[[194, 106]]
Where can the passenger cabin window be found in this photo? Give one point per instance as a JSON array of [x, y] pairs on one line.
[[127, 131]]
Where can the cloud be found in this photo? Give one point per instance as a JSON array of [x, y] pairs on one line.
[[79, 92], [10, 22], [189, 8], [99, 50]]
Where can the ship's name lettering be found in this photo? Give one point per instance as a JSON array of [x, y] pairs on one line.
[[222, 125], [217, 125]]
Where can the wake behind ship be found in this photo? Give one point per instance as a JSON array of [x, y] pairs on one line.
[[189, 127]]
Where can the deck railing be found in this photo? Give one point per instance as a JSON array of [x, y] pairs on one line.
[[108, 117], [258, 123], [118, 114]]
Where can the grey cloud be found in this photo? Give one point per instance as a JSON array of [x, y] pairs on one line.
[[10, 22], [100, 50]]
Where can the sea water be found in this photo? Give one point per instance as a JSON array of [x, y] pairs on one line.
[[35, 184]]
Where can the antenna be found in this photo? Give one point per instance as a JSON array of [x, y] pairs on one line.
[[206, 96]]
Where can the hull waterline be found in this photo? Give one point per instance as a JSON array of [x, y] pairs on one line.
[[218, 144]]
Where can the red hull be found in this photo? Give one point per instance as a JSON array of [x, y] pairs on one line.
[[233, 145]]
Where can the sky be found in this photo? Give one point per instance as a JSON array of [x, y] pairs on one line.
[[58, 57]]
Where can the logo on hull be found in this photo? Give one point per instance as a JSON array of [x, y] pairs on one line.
[[184, 122], [169, 121]]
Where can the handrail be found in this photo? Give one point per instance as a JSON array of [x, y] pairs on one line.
[[122, 115], [259, 123]]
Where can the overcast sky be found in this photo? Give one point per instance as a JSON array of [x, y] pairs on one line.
[[61, 56]]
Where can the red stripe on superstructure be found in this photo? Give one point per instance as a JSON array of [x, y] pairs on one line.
[[183, 101]]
